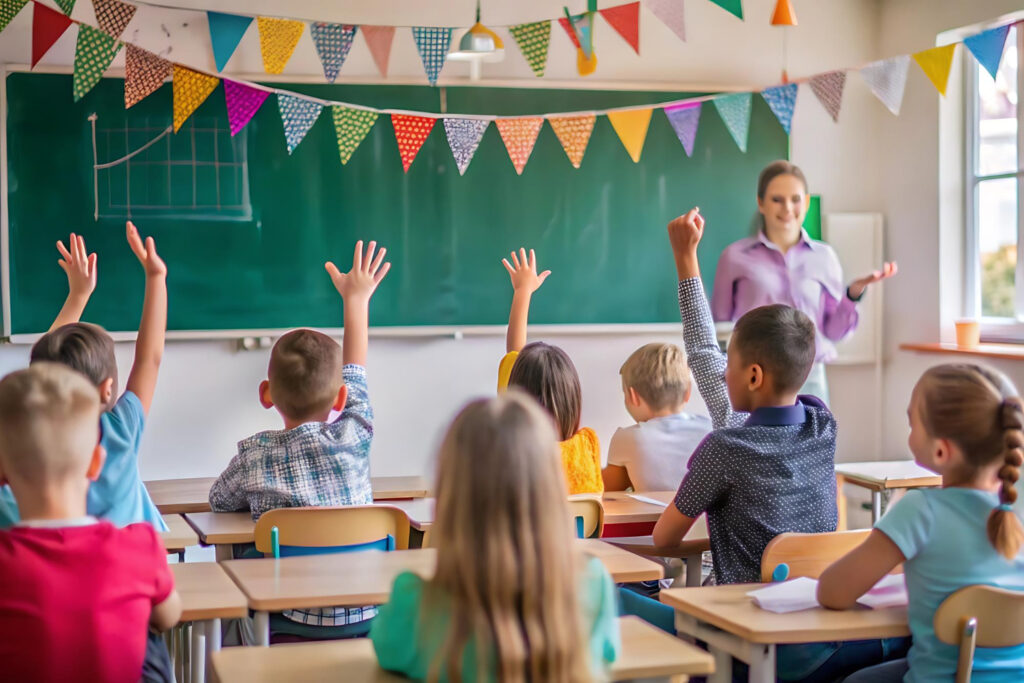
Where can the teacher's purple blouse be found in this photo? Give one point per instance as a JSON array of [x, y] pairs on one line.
[[754, 272]]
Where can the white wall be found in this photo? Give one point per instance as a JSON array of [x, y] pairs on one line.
[[206, 399]]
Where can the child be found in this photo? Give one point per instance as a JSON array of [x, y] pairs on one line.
[[79, 593], [652, 454], [546, 373], [965, 424], [510, 600], [312, 461], [118, 495]]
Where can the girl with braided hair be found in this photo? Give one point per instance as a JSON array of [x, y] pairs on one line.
[[966, 424]]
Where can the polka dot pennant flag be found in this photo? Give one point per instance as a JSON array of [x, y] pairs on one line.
[[298, 116], [533, 40], [735, 112], [464, 137], [887, 79], [631, 127], [94, 52], [828, 88], [351, 127], [433, 43], [410, 133], [987, 47], [684, 119], [278, 38], [8, 10], [66, 6], [378, 39], [519, 136], [781, 99], [625, 19], [113, 16], [191, 89], [48, 25], [226, 31], [574, 134], [333, 41], [670, 12], [936, 64], [242, 103], [145, 72]]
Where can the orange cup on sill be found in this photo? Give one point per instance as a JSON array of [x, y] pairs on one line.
[[968, 334]]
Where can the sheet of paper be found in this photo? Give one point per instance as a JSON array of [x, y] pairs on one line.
[[645, 499], [891, 591], [787, 596]]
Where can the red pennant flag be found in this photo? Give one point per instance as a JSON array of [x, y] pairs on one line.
[[568, 29], [625, 19], [410, 133], [47, 27]]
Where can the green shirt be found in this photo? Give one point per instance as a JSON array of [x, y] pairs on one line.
[[406, 643]]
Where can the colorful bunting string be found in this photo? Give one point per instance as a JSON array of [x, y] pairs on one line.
[[987, 47], [278, 38], [887, 79], [631, 127], [464, 137], [670, 12], [333, 42], [410, 133], [519, 136], [781, 100], [533, 42], [735, 112], [432, 44], [191, 88], [113, 16], [242, 103], [828, 88], [936, 64], [625, 19], [226, 31], [684, 119], [350, 127], [574, 134], [94, 52], [48, 26], [145, 72]]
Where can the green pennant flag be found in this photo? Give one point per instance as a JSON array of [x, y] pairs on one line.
[[732, 6], [8, 10], [94, 52], [351, 126], [533, 41], [66, 5]]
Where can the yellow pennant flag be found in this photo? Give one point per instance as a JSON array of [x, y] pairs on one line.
[[936, 64], [574, 134], [191, 89], [278, 38], [631, 127]]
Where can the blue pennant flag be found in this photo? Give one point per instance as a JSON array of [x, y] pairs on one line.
[[226, 30], [298, 116], [781, 99], [735, 112], [432, 43], [333, 41], [987, 47]]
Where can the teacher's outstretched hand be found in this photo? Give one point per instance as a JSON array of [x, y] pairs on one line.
[[858, 286]]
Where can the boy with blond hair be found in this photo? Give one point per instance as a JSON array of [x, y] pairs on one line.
[[652, 455], [81, 592]]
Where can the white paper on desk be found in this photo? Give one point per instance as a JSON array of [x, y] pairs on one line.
[[891, 591], [645, 499], [787, 596]]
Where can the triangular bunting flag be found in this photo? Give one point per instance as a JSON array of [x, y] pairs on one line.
[[625, 19], [533, 40], [145, 72], [574, 134], [113, 16], [781, 99], [94, 52], [66, 6], [684, 119], [670, 12], [580, 31], [733, 6], [350, 127], [8, 10], [519, 136], [828, 88], [735, 112], [987, 47], [887, 78], [564, 23], [226, 31], [191, 89], [47, 26], [242, 102], [298, 116], [464, 137], [631, 127], [333, 41], [378, 39], [433, 43], [278, 38], [936, 64], [410, 132]]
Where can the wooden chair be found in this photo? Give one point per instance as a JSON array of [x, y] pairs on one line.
[[979, 616], [588, 517], [314, 530], [808, 554]]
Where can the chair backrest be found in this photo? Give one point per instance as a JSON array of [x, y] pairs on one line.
[[807, 554], [316, 530], [982, 616], [588, 517]]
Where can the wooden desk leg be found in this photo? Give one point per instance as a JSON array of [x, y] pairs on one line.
[[876, 506], [762, 664], [197, 646], [212, 645], [224, 551], [693, 570], [261, 624]]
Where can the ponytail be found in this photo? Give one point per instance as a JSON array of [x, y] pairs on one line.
[[1004, 528]]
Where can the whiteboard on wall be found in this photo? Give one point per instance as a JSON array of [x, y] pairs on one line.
[[857, 240]]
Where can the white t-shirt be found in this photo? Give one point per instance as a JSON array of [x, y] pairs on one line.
[[656, 453]]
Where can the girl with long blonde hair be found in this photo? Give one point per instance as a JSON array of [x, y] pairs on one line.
[[512, 599]]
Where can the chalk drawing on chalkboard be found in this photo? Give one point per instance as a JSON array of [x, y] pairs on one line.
[[200, 173]]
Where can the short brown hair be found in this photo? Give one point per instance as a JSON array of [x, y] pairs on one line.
[[779, 338], [773, 171], [84, 347], [304, 373], [546, 373], [659, 375]]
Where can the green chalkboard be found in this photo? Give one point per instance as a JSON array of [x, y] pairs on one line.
[[245, 227]]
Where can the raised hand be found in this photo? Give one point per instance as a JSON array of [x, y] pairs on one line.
[[78, 265], [523, 271], [145, 252], [858, 286], [684, 234], [366, 273]]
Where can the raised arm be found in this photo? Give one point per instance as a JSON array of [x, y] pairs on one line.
[[149, 346], [356, 288], [80, 267], [525, 281]]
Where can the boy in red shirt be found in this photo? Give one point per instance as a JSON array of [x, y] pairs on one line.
[[76, 594]]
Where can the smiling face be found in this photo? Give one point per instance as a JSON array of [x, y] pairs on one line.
[[784, 204]]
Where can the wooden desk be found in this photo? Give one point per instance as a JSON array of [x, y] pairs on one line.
[[689, 549], [647, 652], [728, 621], [207, 596], [181, 496], [222, 529], [365, 578], [179, 535], [885, 475]]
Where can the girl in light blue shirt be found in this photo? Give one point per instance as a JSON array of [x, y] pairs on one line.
[[965, 424]]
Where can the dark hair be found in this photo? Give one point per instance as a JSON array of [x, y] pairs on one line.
[[773, 171], [84, 347], [546, 373], [780, 339], [304, 373]]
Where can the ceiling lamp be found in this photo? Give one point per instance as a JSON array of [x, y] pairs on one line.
[[479, 44], [784, 14]]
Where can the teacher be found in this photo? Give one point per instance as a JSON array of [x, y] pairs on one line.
[[783, 265]]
